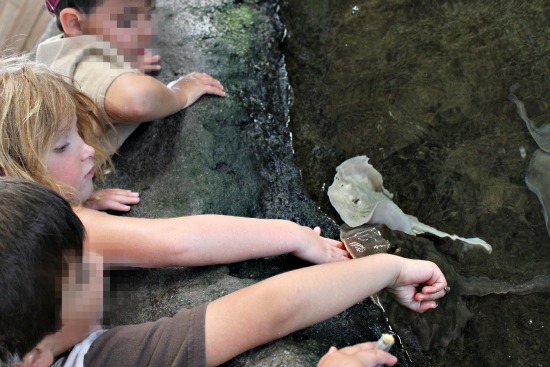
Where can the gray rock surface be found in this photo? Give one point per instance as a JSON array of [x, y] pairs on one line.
[[229, 155]]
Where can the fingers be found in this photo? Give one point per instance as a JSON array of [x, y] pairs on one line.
[[120, 196], [150, 59], [375, 357], [380, 358], [345, 254], [113, 199], [206, 84], [147, 68], [427, 300], [113, 205], [358, 347], [202, 78], [340, 255], [425, 306], [339, 251], [216, 90], [434, 291], [413, 274], [422, 272], [430, 296], [357, 356], [149, 63]]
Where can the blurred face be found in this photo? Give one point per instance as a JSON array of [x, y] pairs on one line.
[[69, 160], [126, 24], [83, 294], [81, 308]]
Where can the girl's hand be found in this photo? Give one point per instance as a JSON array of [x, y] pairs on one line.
[[112, 199], [413, 275], [319, 250]]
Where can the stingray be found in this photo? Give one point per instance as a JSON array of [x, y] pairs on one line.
[[359, 196], [538, 180], [446, 323], [540, 134], [537, 177]]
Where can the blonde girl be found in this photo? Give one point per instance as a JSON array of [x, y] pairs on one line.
[[53, 134]]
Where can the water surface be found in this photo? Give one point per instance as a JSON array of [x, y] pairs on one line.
[[421, 88]]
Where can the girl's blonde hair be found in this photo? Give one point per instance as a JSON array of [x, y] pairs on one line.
[[35, 104]]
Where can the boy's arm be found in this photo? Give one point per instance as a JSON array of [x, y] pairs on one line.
[[294, 300], [140, 98]]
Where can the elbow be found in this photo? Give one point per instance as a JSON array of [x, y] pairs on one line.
[[132, 98], [285, 311], [136, 108]]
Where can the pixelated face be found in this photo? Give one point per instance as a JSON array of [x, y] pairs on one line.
[[82, 293], [126, 24], [69, 160]]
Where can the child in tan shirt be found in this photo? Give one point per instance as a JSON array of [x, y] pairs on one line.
[[105, 50]]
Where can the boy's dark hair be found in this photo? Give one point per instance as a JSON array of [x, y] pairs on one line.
[[83, 6], [38, 232]]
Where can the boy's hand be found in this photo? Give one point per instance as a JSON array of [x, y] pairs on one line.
[[415, 274], [192, 86], [359, 355], [149, 63], [112, 199]]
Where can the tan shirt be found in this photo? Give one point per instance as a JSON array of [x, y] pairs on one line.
[[92, 65]]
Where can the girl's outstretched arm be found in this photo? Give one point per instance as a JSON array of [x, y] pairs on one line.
[[297, 299], [201, 240]]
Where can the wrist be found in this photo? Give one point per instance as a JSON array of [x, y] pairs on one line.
[[395, 264], [388, 268], [304, 237], [179, 94]]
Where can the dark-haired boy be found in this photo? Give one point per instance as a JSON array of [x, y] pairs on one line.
[[104, 49], [47, 283]]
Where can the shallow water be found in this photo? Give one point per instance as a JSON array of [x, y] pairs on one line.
[[421, 88]]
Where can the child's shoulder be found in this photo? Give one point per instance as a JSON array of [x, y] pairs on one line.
[[64, 54], [84, 41]]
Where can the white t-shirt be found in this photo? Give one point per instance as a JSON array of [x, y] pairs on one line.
[[76, 356]]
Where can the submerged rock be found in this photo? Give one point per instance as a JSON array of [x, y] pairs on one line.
[[426, 101], [435, 329]]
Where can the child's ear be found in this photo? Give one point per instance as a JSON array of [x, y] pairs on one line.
[[71, 21], [38, 357]]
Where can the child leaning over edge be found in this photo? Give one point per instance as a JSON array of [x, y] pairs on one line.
[[56, 305], [43, 121], [104, 49]]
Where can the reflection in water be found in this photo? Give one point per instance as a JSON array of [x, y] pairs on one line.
[[421, 88]]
